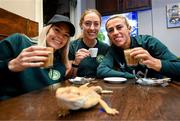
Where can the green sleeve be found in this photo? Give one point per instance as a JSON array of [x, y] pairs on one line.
[[7, 54], [10, 48], [171, 66], [170, 62], [106, 68]]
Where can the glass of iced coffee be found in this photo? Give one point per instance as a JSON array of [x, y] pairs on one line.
[[49, 62], [130, 61]]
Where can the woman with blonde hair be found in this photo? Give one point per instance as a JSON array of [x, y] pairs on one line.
[[83, 64], [22, 59]]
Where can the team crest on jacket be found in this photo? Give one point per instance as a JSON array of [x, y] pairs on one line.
[[99, 58], [54, 74]]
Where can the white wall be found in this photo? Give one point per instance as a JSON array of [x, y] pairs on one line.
[[153, 22], [31, 9], [145, 25]]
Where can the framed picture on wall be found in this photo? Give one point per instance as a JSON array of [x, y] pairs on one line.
[[173, 15]]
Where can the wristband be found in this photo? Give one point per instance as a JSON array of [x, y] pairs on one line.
[[75, 66]]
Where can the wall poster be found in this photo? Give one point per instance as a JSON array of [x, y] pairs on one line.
[[173, 15]]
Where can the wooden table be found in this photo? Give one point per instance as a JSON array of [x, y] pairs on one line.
[[133, 101]]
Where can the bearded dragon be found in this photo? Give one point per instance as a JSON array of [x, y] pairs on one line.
[[83, 97]]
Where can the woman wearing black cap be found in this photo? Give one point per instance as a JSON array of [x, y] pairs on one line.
[[21, 59]]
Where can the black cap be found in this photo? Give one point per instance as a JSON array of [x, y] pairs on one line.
[[60, 18]]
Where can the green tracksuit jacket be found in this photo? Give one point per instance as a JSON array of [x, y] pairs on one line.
[[88, 66], [16, 83], [114, 65]]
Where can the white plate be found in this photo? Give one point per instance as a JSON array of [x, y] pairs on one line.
[[115, 79]]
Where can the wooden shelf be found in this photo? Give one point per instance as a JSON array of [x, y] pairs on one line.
[[107, 7], [11, 23]]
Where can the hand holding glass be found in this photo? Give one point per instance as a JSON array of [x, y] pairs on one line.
[[130, 61]]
